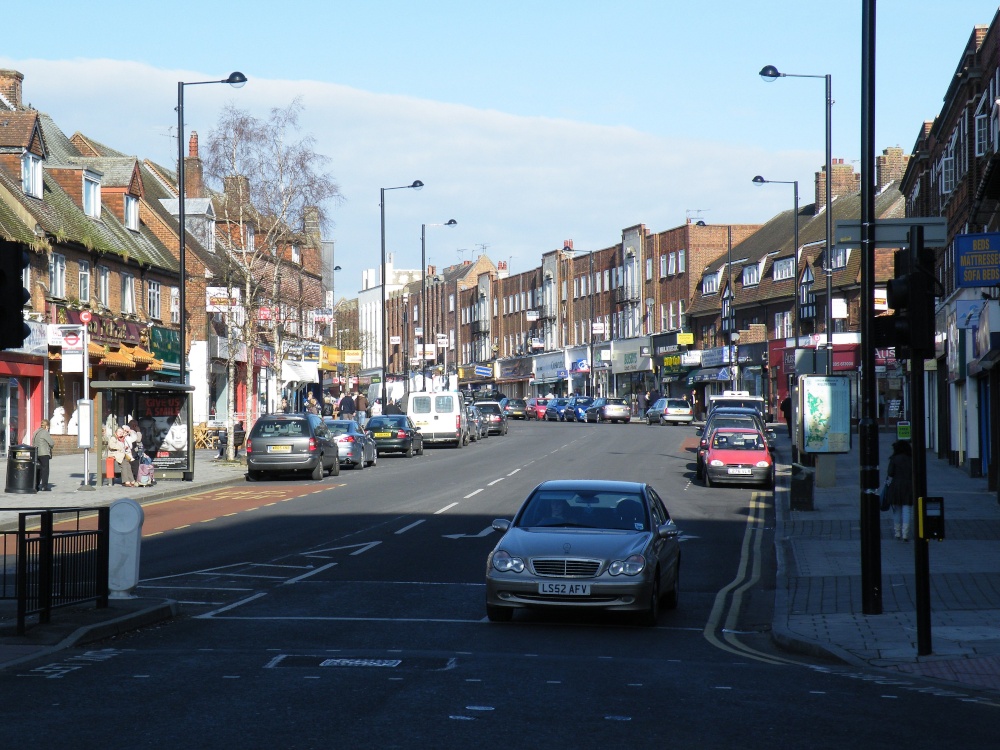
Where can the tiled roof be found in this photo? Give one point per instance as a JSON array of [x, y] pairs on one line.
[[16, 128]]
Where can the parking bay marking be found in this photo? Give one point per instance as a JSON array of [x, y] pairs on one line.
[[485, 532]]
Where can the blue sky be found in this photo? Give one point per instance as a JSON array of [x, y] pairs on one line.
[[529, 122]]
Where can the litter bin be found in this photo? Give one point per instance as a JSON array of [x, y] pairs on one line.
[[801, 491], [22, 469]]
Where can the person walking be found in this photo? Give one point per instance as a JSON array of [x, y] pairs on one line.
[[361, 407], [643, 402], [44, 444], [900, 472], [284, 408], [786, 410], [328, 406], [347, 408]]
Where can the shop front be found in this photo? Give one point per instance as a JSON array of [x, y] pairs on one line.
[[672, 362], [632, 367], [579, 370], [514, 377], [602, 369], [550, 374], [477, 377], [22, 372]]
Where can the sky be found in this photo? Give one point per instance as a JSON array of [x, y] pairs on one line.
[[529, 123]]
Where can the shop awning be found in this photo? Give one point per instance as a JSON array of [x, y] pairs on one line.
[[294, 371], [707, 374]]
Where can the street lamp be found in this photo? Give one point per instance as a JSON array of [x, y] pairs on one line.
[[236, 80], [423, 299], [406, 344], [770, 74], [333, 311], [758, 180], [415, 185], [590, 339]]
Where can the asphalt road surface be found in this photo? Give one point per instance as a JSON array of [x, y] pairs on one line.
[[350, 613]]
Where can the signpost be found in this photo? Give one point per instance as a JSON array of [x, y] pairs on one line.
[[85, 407]]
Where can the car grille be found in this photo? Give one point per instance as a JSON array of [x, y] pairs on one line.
[[565, 567]]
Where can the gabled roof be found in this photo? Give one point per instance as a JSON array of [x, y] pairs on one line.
[[18, 131]]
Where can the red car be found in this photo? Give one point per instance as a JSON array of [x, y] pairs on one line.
[[738, 455], [535, 408]]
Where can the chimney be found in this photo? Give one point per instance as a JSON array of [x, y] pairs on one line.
[[310, 224], [466, 262], [431, 270], [194, 180], [567, 244], [10, 88], [237, 191]]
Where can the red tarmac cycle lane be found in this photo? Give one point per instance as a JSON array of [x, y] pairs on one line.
[[204, 507]]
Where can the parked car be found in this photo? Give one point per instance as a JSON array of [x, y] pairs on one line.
[[290, 442], [357, 448], [675, 410], [555, 410], [493, 414], [609, 410], [739, 411], [439, 416], [725, 417], [516, 408], [535, 408], [738, 456], [738, 399], [395, 433], [478, 429], [576, 409], [585, 544]]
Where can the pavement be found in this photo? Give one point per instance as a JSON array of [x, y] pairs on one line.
[[818, 594]]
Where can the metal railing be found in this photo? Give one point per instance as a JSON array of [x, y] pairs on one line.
[[57, 562]]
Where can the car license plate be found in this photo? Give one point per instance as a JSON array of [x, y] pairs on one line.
[[383, 434], [564, 589], [279, 449], [740, 471]]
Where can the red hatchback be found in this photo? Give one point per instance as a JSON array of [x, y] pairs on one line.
[[535, 408], [737, 455]]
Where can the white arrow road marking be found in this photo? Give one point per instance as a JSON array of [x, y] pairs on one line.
[[485, 532]]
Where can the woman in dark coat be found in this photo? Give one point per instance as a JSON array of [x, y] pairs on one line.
[[901, 489]]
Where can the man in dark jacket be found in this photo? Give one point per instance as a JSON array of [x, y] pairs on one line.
[[392, 408], [347, 407]]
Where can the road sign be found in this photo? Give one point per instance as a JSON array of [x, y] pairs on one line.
[[892, 232], [484, 372]]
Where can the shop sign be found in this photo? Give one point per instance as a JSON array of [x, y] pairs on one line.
[[352, 356], [165, 344], [103, 330], [631, 357]]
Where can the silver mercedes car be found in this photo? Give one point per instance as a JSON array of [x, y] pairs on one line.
[[586, 544]]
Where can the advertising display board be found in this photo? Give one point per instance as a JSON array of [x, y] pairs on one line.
[[825, 409]]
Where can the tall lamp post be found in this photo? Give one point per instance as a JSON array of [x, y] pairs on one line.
[[758, 180], [770, 74], [415, 185], [406, 344], [333, 310], [423, 300], [590, 339], [236, 80]]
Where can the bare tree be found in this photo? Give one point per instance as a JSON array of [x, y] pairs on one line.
[[270, 178]]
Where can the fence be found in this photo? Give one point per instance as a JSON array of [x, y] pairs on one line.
[[58, 562]]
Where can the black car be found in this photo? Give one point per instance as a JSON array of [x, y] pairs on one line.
[[395, 433], [291, 442], [493, 413]]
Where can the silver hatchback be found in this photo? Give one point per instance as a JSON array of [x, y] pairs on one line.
[[290, 442]]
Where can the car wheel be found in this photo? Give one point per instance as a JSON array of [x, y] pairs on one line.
[[673, 596], [255, 475], [317, 472], [360, 465], [505, 429], [374, 458], [651, 615], [409, 451], [649, 422], [420, 450], [458, 443], [708, 479], [499, 614], [335, 470]]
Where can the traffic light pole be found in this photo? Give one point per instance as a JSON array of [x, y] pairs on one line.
[[921, 562]]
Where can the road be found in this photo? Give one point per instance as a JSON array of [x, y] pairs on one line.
[[350, 613]]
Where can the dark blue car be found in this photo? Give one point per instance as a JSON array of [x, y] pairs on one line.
[[555, 410], [576, 409]]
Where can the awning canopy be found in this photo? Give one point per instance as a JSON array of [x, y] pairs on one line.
[[294, 371]]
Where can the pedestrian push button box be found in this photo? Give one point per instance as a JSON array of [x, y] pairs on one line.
[[930, 518]]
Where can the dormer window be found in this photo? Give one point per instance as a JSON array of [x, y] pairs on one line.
[[92, 195], [132, 213], [250, 238], [751, 275], [784, 269], [710, 284], [296, 254], [31, 175]]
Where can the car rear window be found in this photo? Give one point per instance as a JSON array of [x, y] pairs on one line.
[[615, 401], [378, 422], [280, 428], [489, 408], [677, 403]]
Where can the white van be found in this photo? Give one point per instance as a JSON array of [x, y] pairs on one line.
[[439, 416]]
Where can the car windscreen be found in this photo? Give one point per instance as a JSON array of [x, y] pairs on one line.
[[622, 511], [280, 428]]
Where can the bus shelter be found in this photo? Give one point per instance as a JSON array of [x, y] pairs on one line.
[[163, 411]]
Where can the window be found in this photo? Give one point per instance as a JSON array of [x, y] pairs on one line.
[[128, 294], [175, 305], [751, 275], [649, 269], [84, 280], [710, 284], [664, 325], [680, 314], [576, 288], [416, 313], [564, 290], [104, 286], [249, 238], [451, 303], [663, 266], [784, 269], [153, 299], [91, 195], [57, 275], [31, 175], [839, 256], [982, 134], [681, 261], [296, 254], [783, 325], [672, 265], [132, 213]]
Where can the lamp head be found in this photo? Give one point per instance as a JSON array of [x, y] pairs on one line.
[[336, 268], [417, 184], [237, 80], [770, 73], [758, 180], [450, 223]]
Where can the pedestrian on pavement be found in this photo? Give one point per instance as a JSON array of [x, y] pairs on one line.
[[284, 408], [377, 408], [361, 407], [392, 408], [44, 444], [786, 410], [900, 471], [135, 446], [328, 406], [347, 408], [312, 405], [118, 449], [643, 400], [654, 396]]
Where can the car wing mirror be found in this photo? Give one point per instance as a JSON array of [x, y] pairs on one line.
[[668, 530], [501, 524]]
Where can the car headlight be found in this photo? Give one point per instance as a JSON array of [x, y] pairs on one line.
[[504, 563], [630, 567], [762, 464], [716, 462]]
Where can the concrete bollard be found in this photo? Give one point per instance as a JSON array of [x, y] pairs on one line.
[[125, 521]]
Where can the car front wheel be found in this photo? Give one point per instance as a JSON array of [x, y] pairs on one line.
[[651, 615]]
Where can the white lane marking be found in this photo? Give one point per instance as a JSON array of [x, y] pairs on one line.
[[513, 472], [364, 547], [234, 605], [447, 507], [320, 569], [412, 525], [473, 494], [495, 481]]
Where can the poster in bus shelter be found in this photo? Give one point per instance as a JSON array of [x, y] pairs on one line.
[[825, 411], [164, 425]]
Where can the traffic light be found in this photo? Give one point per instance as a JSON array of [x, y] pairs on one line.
[[13, 295], [910, 295]]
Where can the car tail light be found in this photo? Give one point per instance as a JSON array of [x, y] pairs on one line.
[[401, 434], [249, 446], [345, 439], [312, 444], [458, 422]]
